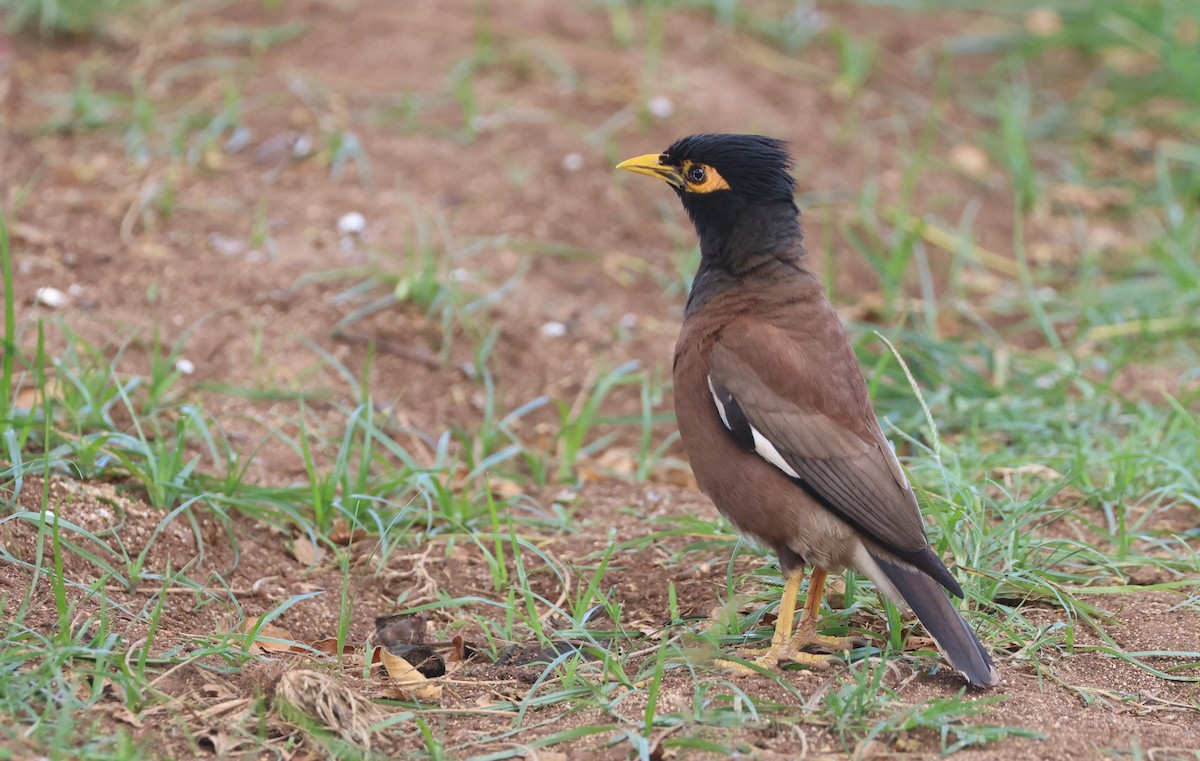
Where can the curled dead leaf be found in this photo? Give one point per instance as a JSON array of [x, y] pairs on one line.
[[405, 681], [421, 657]]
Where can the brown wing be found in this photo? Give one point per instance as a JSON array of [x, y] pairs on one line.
[[802, 394]]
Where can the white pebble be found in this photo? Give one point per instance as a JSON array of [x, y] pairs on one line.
[[351, 223], [51, 297], [302, 147], [225, 245], [573, 162], [1049, 380], [185, 366], [661, 106], [554, 330]]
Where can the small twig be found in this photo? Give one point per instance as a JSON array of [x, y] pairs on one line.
[[420, 356], [188, 590]]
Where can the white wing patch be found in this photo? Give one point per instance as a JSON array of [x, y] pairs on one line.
[[720, 406], [768, 452], [762, 445]]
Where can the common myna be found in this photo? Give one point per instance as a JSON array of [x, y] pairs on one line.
[[773, 409]]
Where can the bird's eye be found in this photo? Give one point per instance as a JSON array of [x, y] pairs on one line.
[[696, 175]]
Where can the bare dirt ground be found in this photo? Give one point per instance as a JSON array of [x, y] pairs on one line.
[[552, 115]]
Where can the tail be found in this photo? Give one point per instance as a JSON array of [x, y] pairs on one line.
[[935, 610]]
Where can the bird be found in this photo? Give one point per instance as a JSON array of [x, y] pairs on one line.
[[774, 412]]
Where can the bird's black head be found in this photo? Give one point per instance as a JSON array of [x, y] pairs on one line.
[[736, 188]]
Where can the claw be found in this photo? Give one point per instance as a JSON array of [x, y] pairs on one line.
[[785, 648]]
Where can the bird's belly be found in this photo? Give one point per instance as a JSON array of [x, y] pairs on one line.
[[758, 498]]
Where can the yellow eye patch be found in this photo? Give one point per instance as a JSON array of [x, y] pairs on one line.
[[702, 178]]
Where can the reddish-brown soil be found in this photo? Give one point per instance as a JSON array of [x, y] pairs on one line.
[[232, 269]]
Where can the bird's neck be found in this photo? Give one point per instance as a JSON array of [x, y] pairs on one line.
[[736, 237], [762, 246]]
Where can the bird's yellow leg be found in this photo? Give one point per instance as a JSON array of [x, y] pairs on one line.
[[786, 645], [806, 632], [780, 644]]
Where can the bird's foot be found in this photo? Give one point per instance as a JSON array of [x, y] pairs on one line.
[[764, 658], [771, 657], [793, 651], [806, 636]]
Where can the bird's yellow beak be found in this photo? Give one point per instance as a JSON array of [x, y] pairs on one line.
[[651, 165]]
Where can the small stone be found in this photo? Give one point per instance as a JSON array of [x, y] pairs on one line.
[[302, 146], [51, 297], [573, 162], [185, 366], [1043, 22], [225, 245], [554, 329], [661, 106], [351, 223], [970, 160]]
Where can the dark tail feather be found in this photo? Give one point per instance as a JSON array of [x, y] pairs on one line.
[[942, 620]]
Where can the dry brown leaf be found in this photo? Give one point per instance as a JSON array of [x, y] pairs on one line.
[[674, 476], [268, 631], [29, 398], [328, 646], [212, 690], [615, 462], [458, 650], [374, 657], [405, 682], [341, 533], [1090, 198], [305, 551], [124, 715], [503, 488]]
